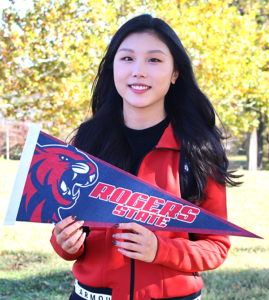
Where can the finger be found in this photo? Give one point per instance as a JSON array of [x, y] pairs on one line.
[[129, 236], [60, 226], [134, 255], [78, 244], [132, 226], [129, 246], [70, 242], [68, 232]]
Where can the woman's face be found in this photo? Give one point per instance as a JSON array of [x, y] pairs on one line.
[[143, 71]]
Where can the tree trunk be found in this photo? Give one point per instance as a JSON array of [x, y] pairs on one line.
[[260, 142], [252, 150]]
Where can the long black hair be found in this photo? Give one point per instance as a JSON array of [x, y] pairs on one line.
[[190, 112]]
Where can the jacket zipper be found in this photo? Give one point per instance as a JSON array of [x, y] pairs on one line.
[[132, 260]]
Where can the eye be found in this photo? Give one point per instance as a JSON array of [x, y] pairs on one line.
[[154, 59], [127, 58], [64, 158]]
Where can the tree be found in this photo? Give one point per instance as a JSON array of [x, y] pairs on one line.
[[230, 52], [50, 56], [262, 19]]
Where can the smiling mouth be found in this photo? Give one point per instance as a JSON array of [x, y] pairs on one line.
[[140, 87]]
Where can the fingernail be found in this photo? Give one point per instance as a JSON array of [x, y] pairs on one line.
[[114, 242], [117, 225], [80, 222], [74, 217]]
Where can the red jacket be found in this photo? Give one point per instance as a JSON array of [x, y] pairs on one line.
[[173, 271]]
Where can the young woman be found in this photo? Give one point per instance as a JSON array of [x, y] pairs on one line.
[[151, 119]]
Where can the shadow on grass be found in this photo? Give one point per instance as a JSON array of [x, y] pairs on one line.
[[33, 275], [232, 285], [219, 285], [54, 285], [15, 261], [238, 164], [255, 250]]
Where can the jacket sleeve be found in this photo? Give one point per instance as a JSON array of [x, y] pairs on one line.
[[61, 252], [205, 252]]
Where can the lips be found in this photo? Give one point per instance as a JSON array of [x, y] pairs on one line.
[[139, 88], [139, 85]]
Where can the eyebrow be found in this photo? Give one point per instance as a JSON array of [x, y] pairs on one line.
[[150, 51]]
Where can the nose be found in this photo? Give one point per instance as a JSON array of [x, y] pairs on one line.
[[139, 69], [80, 168]]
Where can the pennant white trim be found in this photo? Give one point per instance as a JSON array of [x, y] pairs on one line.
[[21, 175]]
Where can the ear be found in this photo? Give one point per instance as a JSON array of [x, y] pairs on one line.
[[38, 149], [174, 76]]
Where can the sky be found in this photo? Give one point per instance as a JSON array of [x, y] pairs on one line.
[[22, 5]]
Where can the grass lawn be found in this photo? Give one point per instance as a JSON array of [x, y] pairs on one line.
[[240, 161], [29, 268]]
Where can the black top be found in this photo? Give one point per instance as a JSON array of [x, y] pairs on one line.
[[142, 141]]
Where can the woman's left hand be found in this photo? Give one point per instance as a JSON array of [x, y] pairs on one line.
[[145, 243]]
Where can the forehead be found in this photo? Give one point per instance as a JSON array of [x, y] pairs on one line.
[[143, 41]]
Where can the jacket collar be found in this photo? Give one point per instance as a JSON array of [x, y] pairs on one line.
[[168, 139]]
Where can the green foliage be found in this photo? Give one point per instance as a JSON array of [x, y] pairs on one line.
[[230, 54], [50, 56]]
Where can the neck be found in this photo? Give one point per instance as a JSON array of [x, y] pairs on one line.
[[142, 118]]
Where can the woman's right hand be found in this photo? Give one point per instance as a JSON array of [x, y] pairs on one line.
[[69, 235]]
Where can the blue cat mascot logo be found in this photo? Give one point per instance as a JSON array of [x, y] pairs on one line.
[[56, 175]]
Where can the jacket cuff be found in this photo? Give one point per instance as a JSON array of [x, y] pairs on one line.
[[164, 245], [62, 253]]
